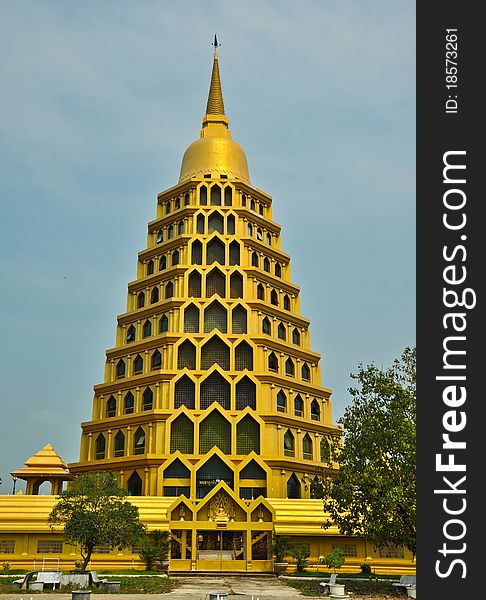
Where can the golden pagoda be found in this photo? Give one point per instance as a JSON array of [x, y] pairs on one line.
[[212, 412]]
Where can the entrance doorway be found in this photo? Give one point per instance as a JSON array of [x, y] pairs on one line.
[[221, 550]]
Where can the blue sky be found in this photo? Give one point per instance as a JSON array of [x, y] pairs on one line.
[[99, 100]]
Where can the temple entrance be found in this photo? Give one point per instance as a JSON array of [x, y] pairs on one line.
[[221, 550]]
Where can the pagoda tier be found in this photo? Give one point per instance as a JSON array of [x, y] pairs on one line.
[[212, 378]]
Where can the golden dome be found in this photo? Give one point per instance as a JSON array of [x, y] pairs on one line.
[[215, 153]]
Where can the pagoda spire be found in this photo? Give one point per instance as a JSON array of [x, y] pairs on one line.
[[215, 105]]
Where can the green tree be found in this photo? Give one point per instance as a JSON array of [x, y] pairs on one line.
[[373, 493], [335, 559], [93, 511]]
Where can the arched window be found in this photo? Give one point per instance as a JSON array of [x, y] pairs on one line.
[[281, 401], [111, 406], [185, 393], [243, 200], [253, 471], [305, 372], [162, 263], [147, 329], [215, 222], [249, 230], [160, 236], [210, 473], [180, 228], [170, 232], [289, 443], [325, 450], [141, 300], [156, 361], [286, 302], [215, 389], [236, 285], [266, 326], [260, 292], [131, 333], [252, 204], [266, 265], [315, 410], [281, 331], [278, 270], [243, 357], [215, 317], [119, 444], [148, 399], [120, 369], [168, 207], [228, 196], [134, 484], [230, 225], [245, 394], [200, 228], [196, 253], [137, 365], [154, 295], [164, 324], [293, 487], [268, 239], [254, 259], [194, 285], [187, 199], [274, 298], [191, 319], [139, 441], [100, 447], [215, 252], [239, 320], [234, 253], [215, 284], [182, 436], [259, 235], [260, 208], [150, 267], [247, 436], [307, 447], [129, 403], [186, 356], [203, 195], [177, 203], [296, 337], [169, 290], [298, 406], [175, 258], [215, 430], [272, 362], [216, 195], [215, 351], [289, 367]]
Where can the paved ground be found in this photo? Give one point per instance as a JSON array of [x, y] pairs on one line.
[[198, 588]]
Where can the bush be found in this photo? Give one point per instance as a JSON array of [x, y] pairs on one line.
[[281, 547], [5, 567], [301, 554], [155, 548], [335, 559], [365, 568]]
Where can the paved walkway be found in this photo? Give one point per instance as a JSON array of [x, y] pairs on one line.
[[195, 588]]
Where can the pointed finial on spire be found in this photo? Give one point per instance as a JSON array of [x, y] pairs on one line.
[[215, 105]]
